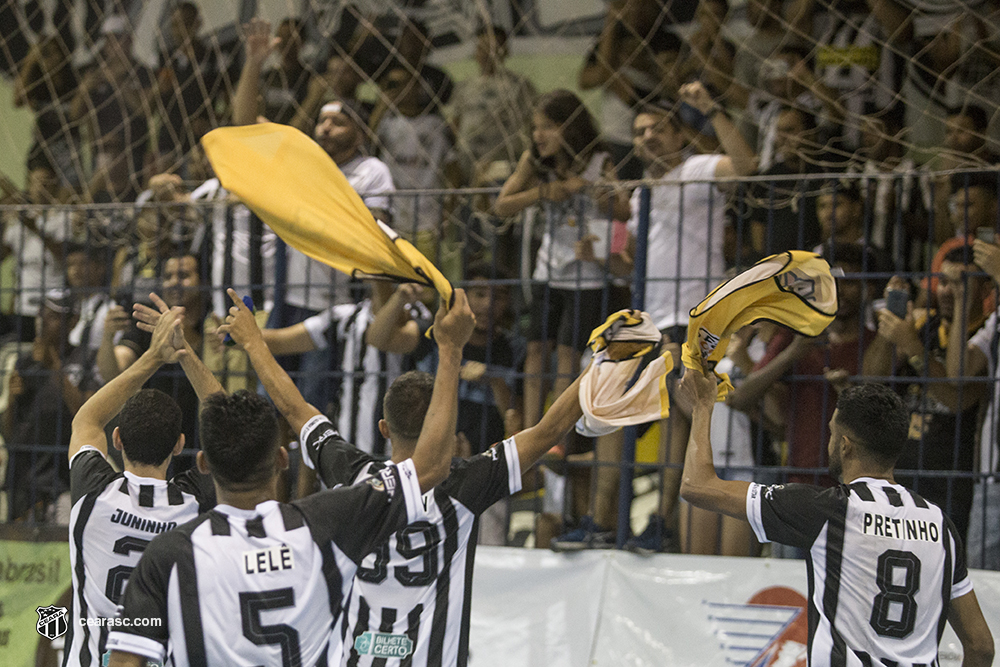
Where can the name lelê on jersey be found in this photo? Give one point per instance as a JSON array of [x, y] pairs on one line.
[[268, 560], [900, 529], [146, 525]]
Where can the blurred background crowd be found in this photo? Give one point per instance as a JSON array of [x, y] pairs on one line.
[[560, 159]]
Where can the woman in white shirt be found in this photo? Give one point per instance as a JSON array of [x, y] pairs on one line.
[[572, 265]]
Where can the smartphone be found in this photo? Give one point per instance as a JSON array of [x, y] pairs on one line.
[[895, 302], [986, 234]]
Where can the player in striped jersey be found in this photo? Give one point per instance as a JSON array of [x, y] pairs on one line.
[[411, 600], [886, 567], [115, 515], [258, 582]]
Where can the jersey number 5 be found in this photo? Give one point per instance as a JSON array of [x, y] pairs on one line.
[[252, 604], [894, 612]]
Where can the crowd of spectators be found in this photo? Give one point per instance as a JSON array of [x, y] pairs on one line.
[[806, 123]]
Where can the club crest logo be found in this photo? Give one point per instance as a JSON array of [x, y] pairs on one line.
[[52, 621]]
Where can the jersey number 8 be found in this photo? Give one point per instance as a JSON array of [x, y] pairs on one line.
[[894, 612]]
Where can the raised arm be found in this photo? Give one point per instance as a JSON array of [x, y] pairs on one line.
[[432, 455], [532, 443], [259, 45], [202, 380], [740, 159], [94, 415], [700, 485], [241, 325], [392, 329]]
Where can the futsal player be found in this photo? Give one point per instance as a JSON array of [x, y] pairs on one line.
[[115, 515], [885, 566], [412, 594], [258, 582]]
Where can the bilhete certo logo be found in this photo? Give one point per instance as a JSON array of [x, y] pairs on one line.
[[52, 621]]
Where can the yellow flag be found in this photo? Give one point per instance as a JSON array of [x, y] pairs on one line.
[[297, 190], [793, 288]]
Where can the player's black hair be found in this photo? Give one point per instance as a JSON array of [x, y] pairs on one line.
[[239, 435], [980, 119], [149, 425], [876, 418], [406, 402]]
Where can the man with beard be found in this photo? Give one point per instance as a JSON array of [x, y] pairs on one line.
[[885, 566]]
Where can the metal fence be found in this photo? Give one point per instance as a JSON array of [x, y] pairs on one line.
[[66, 265]]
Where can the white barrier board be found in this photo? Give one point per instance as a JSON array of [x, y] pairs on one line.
[[535, 608]]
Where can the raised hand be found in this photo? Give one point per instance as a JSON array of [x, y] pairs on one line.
[[259, 43], [453, 326], [987, 256], [168, 336], [695, 95], [146, 318], [700, 388], [240, 323]]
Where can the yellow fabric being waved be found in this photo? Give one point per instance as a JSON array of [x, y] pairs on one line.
[[626, 380], [296, 189], [793, 288]]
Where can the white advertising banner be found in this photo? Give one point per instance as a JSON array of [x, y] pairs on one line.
[[535, 608]]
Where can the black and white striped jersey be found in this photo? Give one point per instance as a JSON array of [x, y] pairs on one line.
[[364, 372], [264, 586], [411, 599], [883, 566], [114, 517]]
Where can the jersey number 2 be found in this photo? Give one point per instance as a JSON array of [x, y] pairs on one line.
[[119, 574], [251, 604], [894, 612]]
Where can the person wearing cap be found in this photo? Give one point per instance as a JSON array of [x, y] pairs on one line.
[[44, 392], [114, 98]]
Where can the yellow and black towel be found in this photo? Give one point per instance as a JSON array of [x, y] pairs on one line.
[[626, 380], [296, 189], [793, 288]]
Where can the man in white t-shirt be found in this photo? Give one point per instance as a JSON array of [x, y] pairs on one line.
[[685, 251]]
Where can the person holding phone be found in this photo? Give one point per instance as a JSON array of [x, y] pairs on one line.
[[912, 345]]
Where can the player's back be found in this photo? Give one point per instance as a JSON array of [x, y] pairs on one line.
[[899, 567], [261, 586], [411, 598], [114, 517], [884, 565]]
